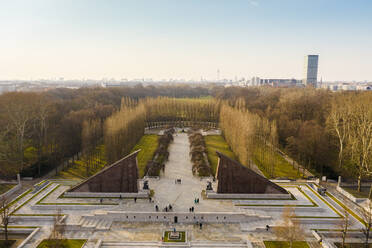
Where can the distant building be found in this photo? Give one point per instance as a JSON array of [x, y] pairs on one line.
[[311, 70], [8, 87], [290, 82]]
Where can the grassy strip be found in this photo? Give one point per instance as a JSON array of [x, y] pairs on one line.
[[167, 240], [321, 198], [19, 227], [286, 244], [308, 197], [40, 183], [335, 230], [67, 203], [67, 243], [148, 145], [346, 208], [41, 190], [283, 205], [35, 215], [317, 217], [217, 143], [17, 199], [45, 196], [6, 187]]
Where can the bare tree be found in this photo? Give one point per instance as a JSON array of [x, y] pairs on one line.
[[338, 122], [4, 215], [344, 226], [360, 138], [19, 110], [58, 228], [367, 219], [290, 230]]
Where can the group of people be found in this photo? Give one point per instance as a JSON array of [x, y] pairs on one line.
[[166, 209], [196, 201]]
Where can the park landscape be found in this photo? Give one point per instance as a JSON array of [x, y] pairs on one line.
[[300, 140]]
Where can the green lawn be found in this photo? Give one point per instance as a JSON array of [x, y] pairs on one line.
[[281, 166], [285, 244], [67, 243], [5, 187], [79, 169], [148, 145], [8, 244], [183, 237], [354, 191], [217, 143]]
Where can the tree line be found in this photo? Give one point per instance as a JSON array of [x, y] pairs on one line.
[[252, 138], [124, 128], [327, 132], [40, 130]]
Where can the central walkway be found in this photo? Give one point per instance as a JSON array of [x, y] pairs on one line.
[[181, 196]]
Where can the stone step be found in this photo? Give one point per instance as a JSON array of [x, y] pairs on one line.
[[254, 225], [104, 225]]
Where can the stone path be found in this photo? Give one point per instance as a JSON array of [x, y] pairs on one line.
[[181, 196]]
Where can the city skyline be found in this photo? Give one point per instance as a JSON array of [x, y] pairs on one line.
[[187, 39]]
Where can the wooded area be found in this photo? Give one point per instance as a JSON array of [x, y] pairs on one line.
[[330, 133], [38, 131]]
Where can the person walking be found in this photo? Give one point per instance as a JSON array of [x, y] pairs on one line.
[[135, 199]]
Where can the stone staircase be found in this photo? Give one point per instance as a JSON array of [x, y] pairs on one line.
[[98, 224], [173, 245], [256, 225], [88, 222]]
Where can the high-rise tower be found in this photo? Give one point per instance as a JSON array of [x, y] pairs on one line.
[[311, 70]]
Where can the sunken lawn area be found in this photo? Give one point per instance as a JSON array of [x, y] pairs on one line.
[[217, 143], [148, 145], [5, 187], [66, 243], [282, 168], [79, 170], [285, 244]]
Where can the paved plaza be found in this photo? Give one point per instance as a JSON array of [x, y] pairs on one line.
[[115, 222]]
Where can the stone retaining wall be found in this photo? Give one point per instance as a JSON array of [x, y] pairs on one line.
[[214, 195], [29, 238], [11, 191], [276, 209], [56, 207], [350, 196], [141, 194], [182, 217]]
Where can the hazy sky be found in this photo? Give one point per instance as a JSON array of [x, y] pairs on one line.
[[184, 38]]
